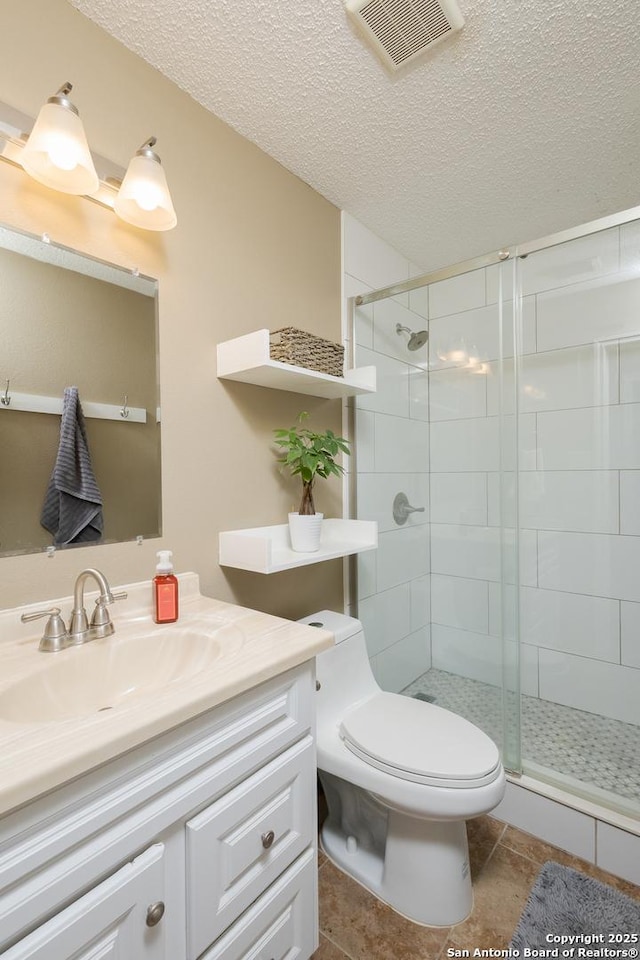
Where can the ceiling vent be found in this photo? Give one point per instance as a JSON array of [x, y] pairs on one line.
[[399, 30]]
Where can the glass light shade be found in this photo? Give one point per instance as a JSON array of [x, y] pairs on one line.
[[144, 199], [57, 153]]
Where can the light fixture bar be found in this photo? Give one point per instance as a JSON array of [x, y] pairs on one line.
[[15, 127]]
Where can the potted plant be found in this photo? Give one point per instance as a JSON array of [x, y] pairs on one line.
[[309, 455]]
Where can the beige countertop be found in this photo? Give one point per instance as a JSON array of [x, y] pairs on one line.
[[44, 753]]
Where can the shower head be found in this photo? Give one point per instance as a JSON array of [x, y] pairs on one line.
[[416, 340]]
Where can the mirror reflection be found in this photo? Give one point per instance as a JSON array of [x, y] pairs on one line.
[[69, 321]]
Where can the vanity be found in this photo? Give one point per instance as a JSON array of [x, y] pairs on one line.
[[158, 787]]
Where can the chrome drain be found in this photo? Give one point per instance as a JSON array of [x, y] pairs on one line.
[[427, 697]]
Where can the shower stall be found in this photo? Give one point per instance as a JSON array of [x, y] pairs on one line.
[[508, 415]]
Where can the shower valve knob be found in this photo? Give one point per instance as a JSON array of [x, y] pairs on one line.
[[402, 509]]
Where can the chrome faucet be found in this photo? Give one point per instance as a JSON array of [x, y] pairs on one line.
[[101, 626], [56, 636]]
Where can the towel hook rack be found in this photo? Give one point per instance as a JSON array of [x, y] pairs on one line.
[[125, 409], [5, 400]]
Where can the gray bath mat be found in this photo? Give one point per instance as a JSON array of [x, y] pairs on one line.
[[564, 903]]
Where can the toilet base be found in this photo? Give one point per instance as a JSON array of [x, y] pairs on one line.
[[419, 867]]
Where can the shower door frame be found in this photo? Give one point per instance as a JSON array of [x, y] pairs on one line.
[[509, 252]]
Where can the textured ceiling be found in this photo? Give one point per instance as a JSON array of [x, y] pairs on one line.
[[524, 123]]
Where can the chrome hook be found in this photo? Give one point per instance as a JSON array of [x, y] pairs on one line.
[[125, 409], [6, 399]]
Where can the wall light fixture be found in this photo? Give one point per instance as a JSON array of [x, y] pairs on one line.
[[143, 198], [56, 154]]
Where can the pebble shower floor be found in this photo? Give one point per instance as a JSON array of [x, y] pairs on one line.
[[589, 748]]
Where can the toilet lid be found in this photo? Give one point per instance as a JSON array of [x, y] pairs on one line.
[[419, 741]]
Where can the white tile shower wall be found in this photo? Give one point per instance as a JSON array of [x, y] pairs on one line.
[[457, 602], [609, 689], [559, 379], [568, 622], [629, 633], [596, 311], [397, 666], [392, 456], [479, 657], [459, 498], [478, 332], [584, 501], [386, 617], [630, 370], [579, 482], [401, 445], [403, 555], [420, 598]]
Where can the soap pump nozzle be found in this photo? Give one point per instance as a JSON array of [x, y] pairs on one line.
[[165, 561]]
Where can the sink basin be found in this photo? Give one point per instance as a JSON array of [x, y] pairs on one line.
[[105, 674]]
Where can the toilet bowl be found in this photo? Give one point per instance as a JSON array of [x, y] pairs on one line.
[[401, 777]]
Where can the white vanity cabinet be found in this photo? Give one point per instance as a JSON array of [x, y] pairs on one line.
[[214, 821]]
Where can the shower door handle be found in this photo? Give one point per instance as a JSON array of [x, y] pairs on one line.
[[402, 509]]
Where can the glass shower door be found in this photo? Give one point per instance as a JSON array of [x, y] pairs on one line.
[[577, 405]]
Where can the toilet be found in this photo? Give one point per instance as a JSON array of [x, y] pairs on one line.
[[401, 777]]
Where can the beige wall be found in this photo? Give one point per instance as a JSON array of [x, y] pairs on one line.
[[254, 247]]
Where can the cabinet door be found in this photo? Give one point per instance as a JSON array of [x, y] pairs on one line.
[[109, 922], [241, 843]]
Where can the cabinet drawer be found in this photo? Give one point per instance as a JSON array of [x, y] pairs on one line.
[[241, 843], [109, 922], [281, 925]]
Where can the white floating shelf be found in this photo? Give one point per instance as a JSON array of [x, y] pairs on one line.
[[268, 550], [247, 360]]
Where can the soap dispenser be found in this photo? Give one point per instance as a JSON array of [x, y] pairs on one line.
[[165, 589]]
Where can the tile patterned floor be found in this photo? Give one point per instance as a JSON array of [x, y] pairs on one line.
[[504, 865], [592, 749]]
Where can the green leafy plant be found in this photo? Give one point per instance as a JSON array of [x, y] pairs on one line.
[[309, 455]]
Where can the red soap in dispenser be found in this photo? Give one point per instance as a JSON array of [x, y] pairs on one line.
[[165, 589]]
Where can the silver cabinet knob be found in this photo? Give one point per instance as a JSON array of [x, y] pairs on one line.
[[267, 839], [155, 913]]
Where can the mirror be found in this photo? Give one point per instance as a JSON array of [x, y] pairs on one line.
[[69, 320]]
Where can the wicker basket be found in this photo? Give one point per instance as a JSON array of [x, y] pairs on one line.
[[303, 349]]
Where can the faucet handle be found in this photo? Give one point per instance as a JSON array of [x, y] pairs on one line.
[[101, 625], [55, 636]]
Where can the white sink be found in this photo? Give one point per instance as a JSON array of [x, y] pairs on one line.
[[105, 674]]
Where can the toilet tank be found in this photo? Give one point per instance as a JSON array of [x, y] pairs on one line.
[[341, 626], [343, 671]]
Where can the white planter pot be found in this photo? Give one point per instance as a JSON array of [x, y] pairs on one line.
[[304, 532]]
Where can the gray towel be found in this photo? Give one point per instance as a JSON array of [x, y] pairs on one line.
[[72, 509]]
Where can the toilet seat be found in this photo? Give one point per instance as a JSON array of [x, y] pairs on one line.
[[419, 741]]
